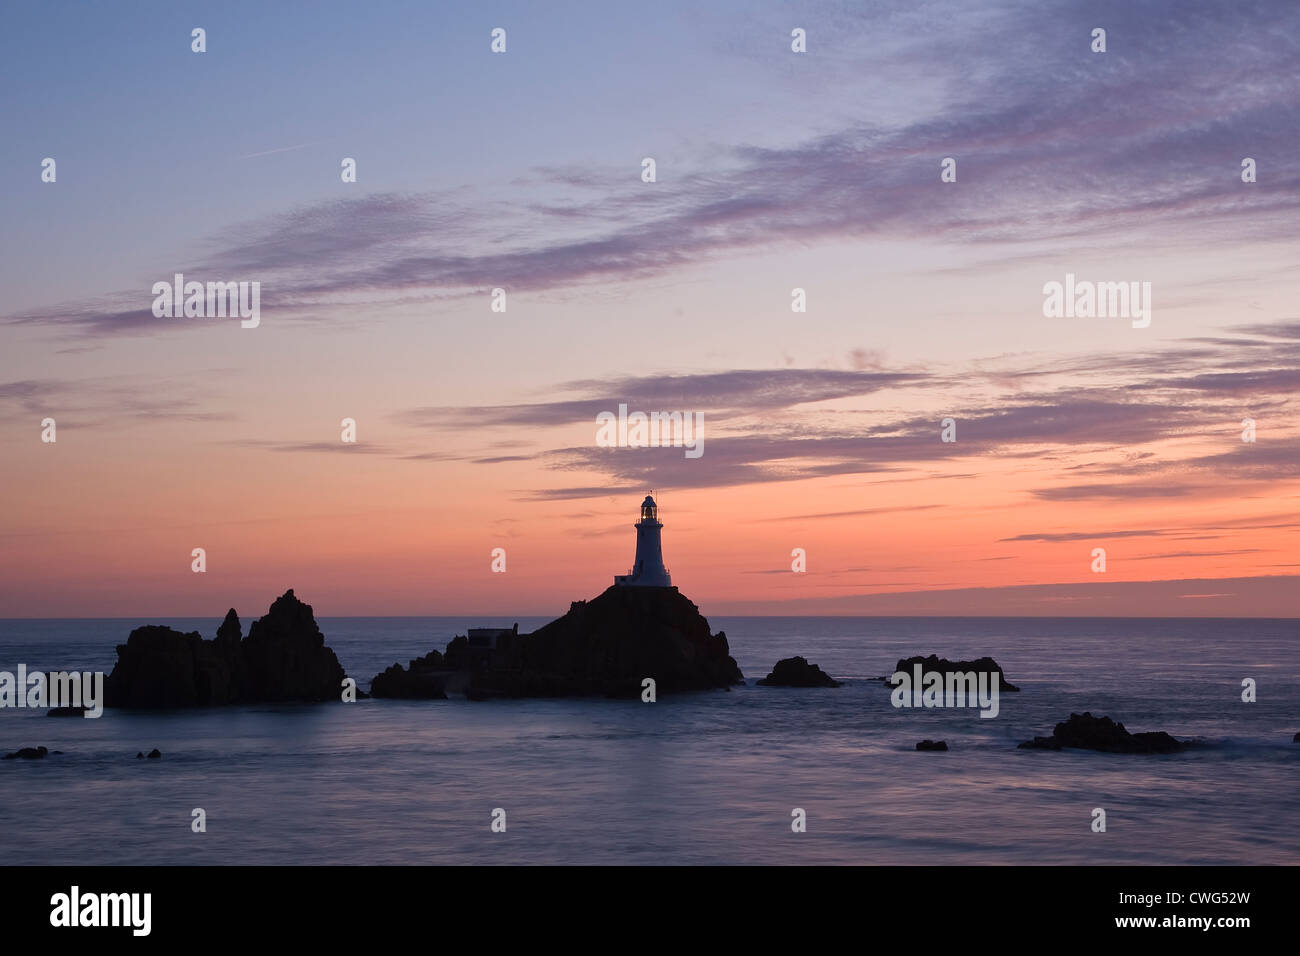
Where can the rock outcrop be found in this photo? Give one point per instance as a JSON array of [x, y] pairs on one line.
[[284, 658], [424, 679], [932, 745], [607, 646], [797, 672], [1086, 732], [985, 665], [161, 667], [27, 753], [604, 647]]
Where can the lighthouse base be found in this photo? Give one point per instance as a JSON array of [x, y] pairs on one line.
[[644, 581]]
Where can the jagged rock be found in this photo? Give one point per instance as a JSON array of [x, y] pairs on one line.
[[230, 633], [797, 672], [1086, 732], [424, 680], [286, 658], [156, 667], [432, 661], [283, 658], [155, 754], [458, 656], [932, 745], [608, 645], [934, 662], [27, 753], [604, 647], [226, 677]]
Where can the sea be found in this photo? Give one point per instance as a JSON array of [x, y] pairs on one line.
[[754, 775]]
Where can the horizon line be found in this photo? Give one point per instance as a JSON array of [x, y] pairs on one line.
[[882, 617]]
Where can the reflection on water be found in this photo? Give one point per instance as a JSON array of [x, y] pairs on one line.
[[706, 778]]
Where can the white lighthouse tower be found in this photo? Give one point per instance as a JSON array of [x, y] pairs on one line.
[[649, 570]]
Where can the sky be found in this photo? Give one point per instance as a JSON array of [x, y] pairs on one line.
[[775, 170]]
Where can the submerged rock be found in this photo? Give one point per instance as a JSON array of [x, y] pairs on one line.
[[1086, 732], [981, 665], [797, 672], [27, 753], [284, 658], [932, 745]]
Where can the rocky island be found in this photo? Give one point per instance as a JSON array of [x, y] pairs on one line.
[[1086, 732], [424, 679], [639, 628], [605, 647], [981, 665], [284, 658], [797, 672]]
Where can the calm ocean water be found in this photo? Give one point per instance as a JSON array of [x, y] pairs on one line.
[[704, 778]]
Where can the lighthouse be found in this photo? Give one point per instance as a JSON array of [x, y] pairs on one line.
[[648, 571]]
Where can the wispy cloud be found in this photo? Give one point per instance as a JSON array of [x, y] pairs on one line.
[[794, 424], [1082, 535], [1052, 142], [318, 447], [115, 401]]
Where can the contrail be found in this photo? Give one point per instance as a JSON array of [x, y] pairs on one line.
[[283, 149]]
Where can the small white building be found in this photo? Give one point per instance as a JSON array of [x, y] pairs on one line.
[[648, 570]]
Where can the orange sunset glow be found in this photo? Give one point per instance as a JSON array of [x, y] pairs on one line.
[[824, 292]]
